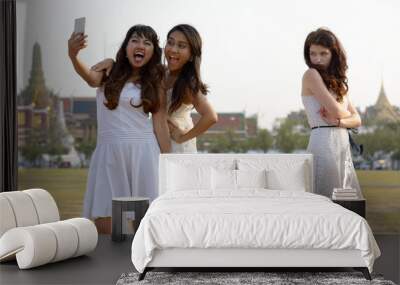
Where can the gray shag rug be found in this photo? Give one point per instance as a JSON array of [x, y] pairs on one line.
[[242, 278]]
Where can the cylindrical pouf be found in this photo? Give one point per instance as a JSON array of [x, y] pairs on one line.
[[45, 205], [34, 245], [87, 235], [41, 244], [23, 208], [67, 239], [7, 218]]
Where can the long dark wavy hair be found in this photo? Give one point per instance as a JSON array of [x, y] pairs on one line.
[[151, 74], [189, 79], [334, 76]]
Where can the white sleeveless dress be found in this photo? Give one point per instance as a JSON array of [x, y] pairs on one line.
[[125, 161], [333, 164], [182, 118]]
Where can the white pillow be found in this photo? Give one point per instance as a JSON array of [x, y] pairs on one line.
[[188, 177], [293, 180], [251, 178], [282, 174], [223, 179]]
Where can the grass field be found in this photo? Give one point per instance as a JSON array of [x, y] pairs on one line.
[[381, 190], [66, 185]]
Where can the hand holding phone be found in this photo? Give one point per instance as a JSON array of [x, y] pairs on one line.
[[79, 27], [77, 41]]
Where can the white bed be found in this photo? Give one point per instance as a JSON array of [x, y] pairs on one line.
[[239, 210]]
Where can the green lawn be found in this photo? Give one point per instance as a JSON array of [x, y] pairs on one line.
[[380, 188], [379, 178], [382, 192], [66, 185]]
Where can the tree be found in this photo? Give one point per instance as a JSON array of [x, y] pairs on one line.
[[86, 148], [290, 135], [34, 147], [385, 137], [263, 141]]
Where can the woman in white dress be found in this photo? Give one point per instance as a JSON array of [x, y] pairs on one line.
[[330, 112], [184, 88], [125, 161]]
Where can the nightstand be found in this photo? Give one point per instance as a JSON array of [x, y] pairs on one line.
[[357, 206], [127, 212]]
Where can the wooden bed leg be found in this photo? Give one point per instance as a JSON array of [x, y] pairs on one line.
[[143, 274], [364, 271]]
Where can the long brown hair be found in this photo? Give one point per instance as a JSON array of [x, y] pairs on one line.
[[334, 76], [151, 73], [189, 79]]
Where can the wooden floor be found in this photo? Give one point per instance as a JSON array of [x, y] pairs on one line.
[[110, 260], [102, 266]]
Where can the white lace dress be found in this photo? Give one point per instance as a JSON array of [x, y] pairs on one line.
[[333, 164], [182, 118], [125, 161]]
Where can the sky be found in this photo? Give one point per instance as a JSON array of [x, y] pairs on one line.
[[252, 50]]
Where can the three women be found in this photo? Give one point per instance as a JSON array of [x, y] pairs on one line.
[[126, 157]]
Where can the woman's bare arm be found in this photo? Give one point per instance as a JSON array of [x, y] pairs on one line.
[[104, 65], [354, 121], [208, 117], [312, 82], [160, 125], [76, 43]]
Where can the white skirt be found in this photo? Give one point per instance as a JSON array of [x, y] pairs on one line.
[[333, 164], [186, 147], [121, 169]]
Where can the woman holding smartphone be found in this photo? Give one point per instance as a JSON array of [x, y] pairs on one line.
[[125, 161]]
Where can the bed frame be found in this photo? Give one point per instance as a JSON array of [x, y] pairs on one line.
[[237, 259], [246, 259]]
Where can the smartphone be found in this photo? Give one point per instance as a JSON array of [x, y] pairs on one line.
[[80, 25]]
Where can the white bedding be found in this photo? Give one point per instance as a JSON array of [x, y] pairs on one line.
[[251, 218]]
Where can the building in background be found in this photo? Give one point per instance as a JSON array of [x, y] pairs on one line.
[[34, 104], [234, 121], [80, 118], [65, 128], [382, 112], [43, 137], [232, 128]]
